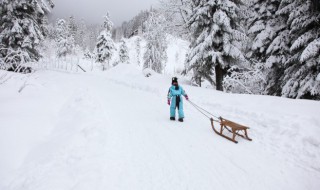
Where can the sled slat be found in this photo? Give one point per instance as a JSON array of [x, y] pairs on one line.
[[233, 128]]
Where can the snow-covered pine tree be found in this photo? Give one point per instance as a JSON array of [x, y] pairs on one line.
[[263, 25], [270, 41], [123, 52], [73, 29], [155, 35], [301, 74], [22, 28], [138, 49], [64, 40], [93, 35], [52, 31], [105, 45], [217, 33], [83, 35]]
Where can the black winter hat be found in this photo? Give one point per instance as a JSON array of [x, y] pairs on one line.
[[174, 79]]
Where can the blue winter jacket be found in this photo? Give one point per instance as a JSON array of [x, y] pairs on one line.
[[173, 92]]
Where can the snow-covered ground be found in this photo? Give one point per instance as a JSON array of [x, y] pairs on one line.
[[111, 130]]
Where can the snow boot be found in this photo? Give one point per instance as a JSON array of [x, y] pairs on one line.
[[172, 118], [181, 119]]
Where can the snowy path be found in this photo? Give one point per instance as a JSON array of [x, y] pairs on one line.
[[113, 133]]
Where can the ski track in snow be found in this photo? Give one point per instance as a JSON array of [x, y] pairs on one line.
[[111, 131]]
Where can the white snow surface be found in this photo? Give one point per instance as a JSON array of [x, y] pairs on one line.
[[111, 130]]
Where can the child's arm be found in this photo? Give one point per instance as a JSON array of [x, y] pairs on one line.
[[169, 96], [184, 93]]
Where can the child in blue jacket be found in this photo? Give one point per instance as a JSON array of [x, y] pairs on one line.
[[175, 100]]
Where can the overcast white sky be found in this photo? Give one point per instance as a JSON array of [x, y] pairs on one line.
[[94, 10]]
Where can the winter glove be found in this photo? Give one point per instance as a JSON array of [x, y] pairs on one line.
[[187, 98], [168, 102]]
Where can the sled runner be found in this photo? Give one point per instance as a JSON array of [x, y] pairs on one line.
[[232, 127]]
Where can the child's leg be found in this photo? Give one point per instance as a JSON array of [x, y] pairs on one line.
[[181, 112], [172, 111], [173, 108]]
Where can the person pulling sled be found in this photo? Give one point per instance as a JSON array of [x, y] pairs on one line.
[[175, 101]]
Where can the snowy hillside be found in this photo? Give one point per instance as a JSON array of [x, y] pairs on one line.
[[111, 130]]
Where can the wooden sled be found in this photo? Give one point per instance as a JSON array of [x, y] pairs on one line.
[[233, 128]]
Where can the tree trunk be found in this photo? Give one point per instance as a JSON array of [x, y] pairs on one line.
[[219, 77], [315, 5], [198, 81]]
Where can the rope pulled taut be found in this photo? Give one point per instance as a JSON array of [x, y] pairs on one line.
[[203, 111]]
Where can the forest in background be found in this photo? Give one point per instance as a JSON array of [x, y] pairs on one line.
[[268, 47]]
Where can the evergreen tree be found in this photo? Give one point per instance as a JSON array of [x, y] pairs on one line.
[[270, 44], [138, 50], [263, 26], [303, 67], [131, 28], [93, 35], [22, 29], [123, 52], [64, 39], [217, 33], [72, 28], [52, 31], [105, 45], [83, 35], [155, 55]]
